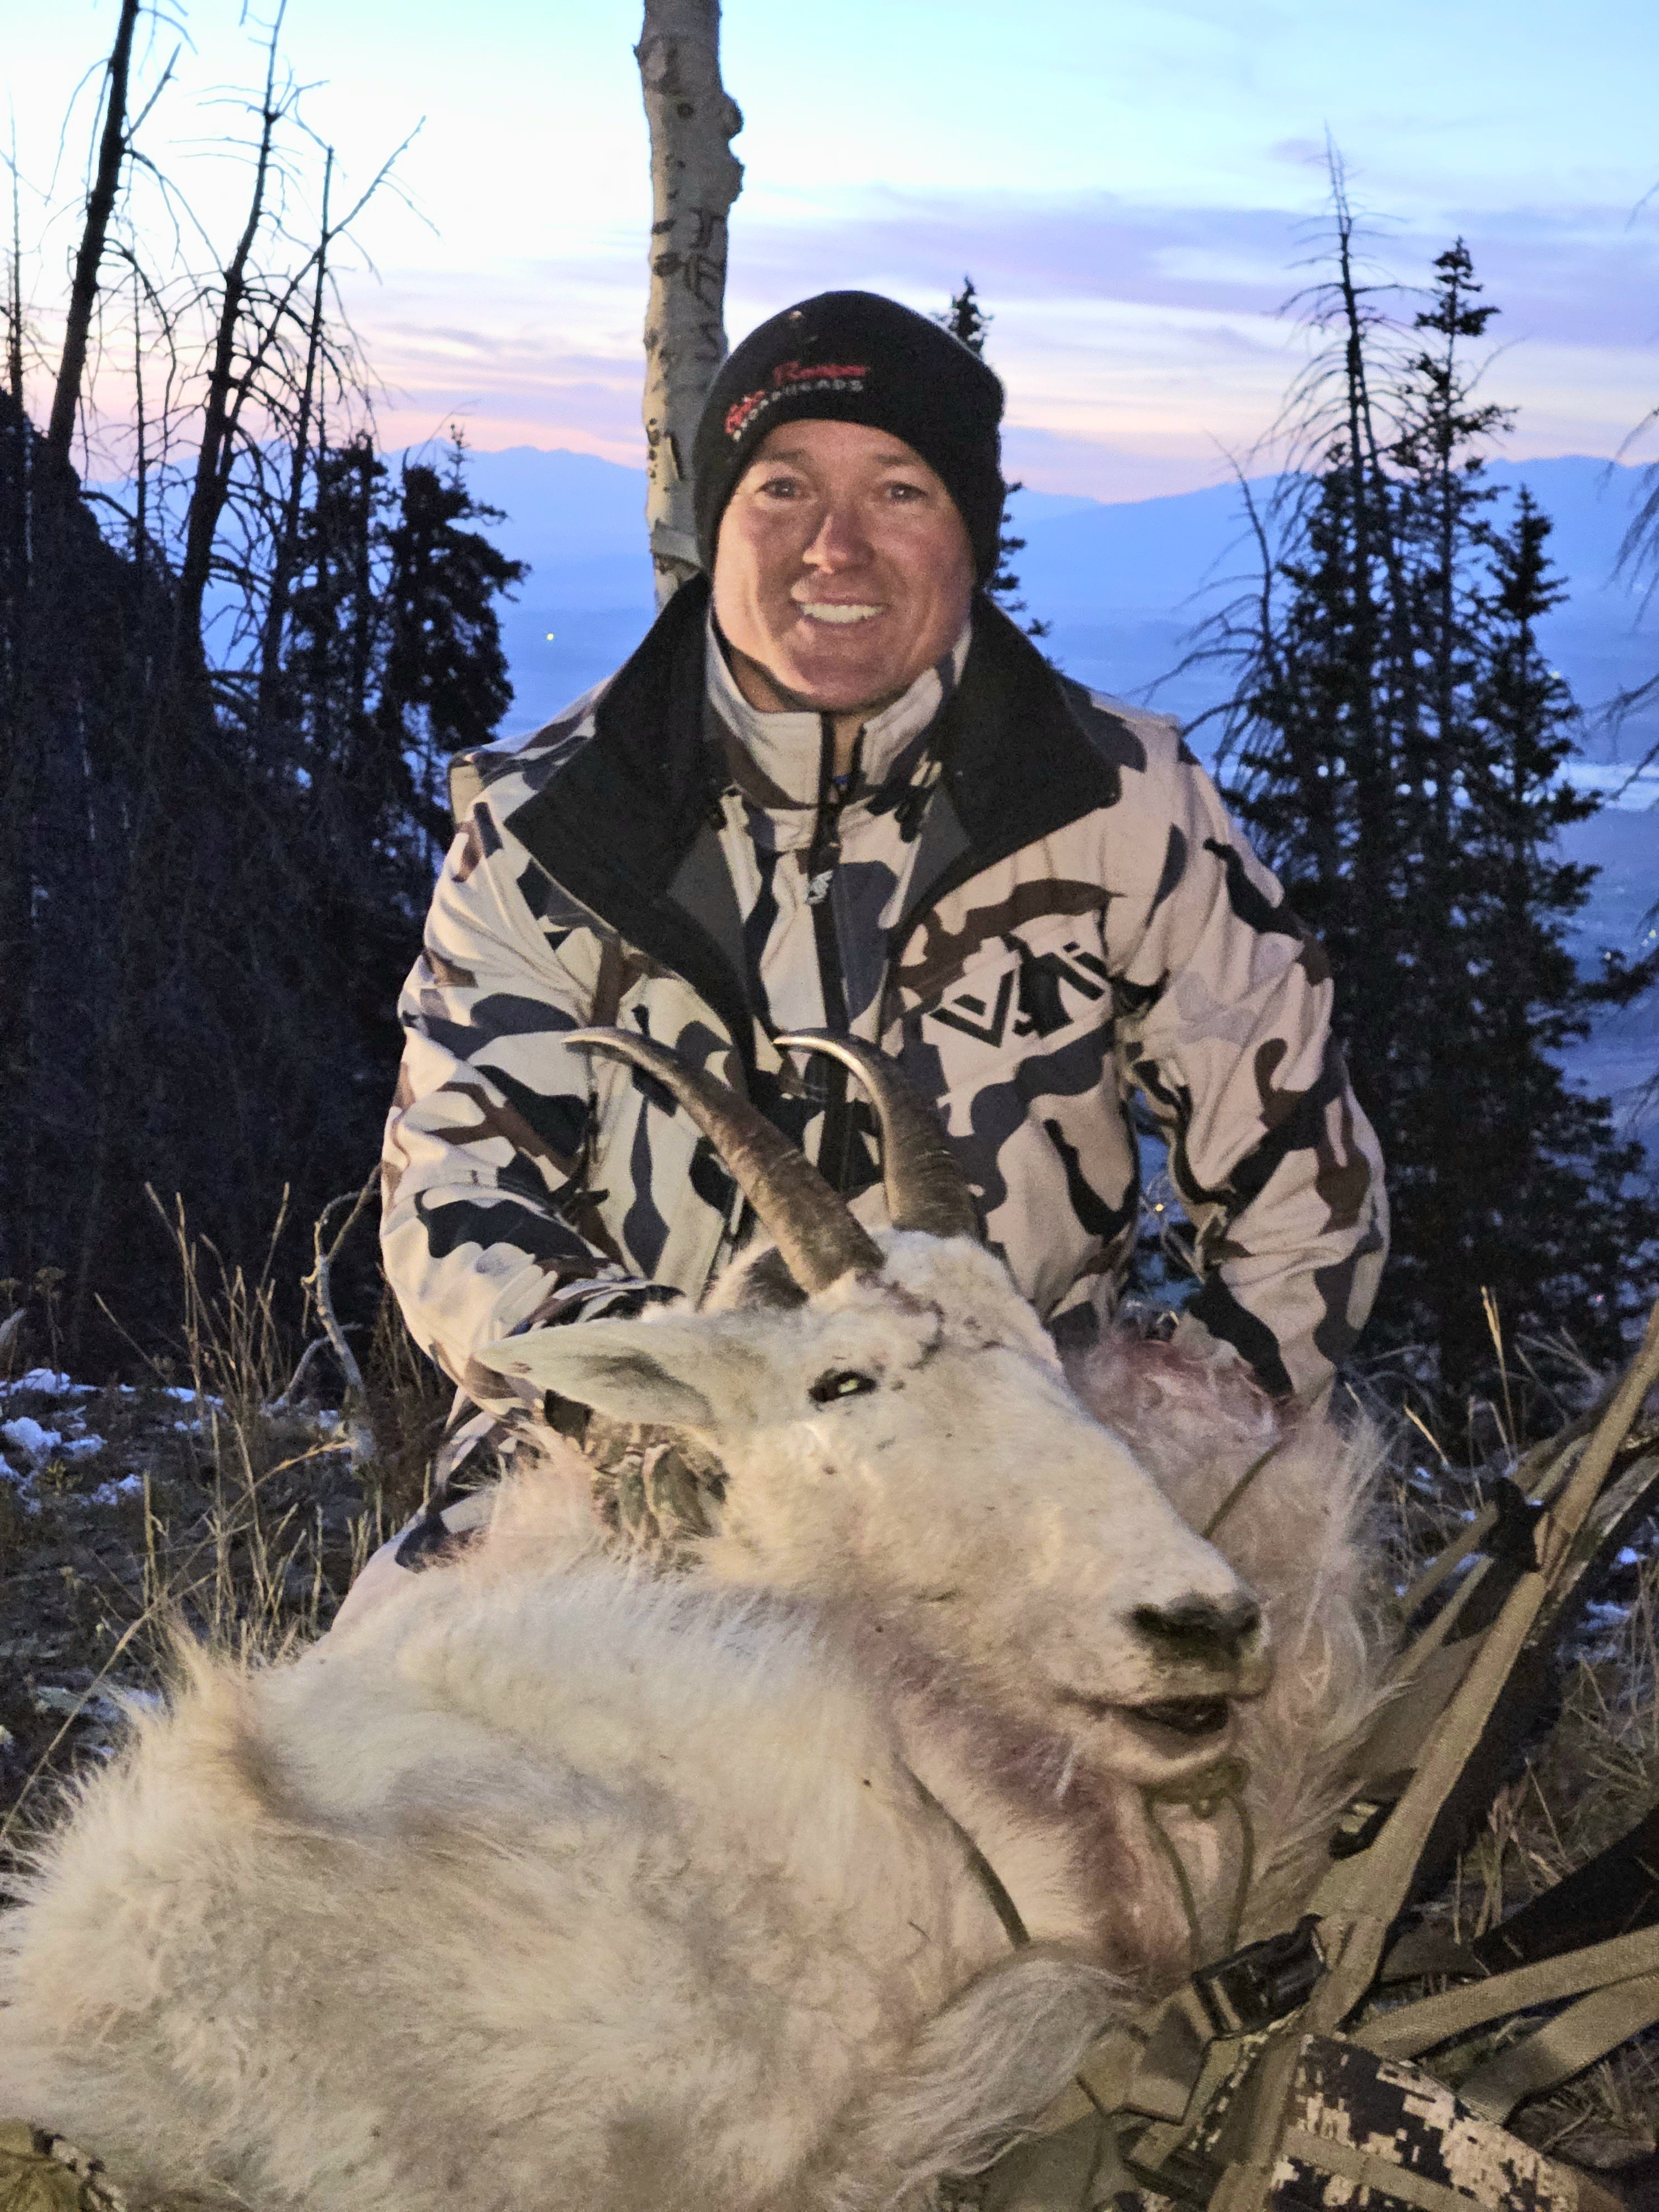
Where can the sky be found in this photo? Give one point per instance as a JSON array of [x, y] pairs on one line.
[[1134, 185]]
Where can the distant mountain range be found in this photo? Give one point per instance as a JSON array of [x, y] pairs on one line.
[[1122, 584]]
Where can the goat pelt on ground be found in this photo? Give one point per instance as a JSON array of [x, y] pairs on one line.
[[553, 1878]]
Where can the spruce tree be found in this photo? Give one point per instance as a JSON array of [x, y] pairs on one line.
[[394, 660], [336, 619], [1552, 1216], [965, 318], [443, 682], [1396, 745]]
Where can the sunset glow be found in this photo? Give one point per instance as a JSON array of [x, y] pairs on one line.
[[1132, 187]]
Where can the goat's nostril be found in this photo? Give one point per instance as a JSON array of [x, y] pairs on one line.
[[1203, 1628]]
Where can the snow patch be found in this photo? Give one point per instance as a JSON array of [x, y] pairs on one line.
[[26, 1435], [110, 1493], [47, 1383]]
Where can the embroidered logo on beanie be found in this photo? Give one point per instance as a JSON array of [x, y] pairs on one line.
[[787, 378], [856, 357]]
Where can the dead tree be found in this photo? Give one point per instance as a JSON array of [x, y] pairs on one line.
[[100, 205], [694, 178], [285, 552], [216, 454]]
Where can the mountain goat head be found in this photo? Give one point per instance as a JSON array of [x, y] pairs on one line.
[[902, 1438]]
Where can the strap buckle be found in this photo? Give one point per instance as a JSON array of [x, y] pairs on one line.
[[1262, 1982]]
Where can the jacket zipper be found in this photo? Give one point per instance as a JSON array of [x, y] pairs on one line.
[[822, 856]]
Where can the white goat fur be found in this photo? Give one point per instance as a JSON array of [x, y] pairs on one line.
[[553, 1882]]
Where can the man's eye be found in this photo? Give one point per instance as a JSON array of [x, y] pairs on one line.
[[905, 493], [780, 487]]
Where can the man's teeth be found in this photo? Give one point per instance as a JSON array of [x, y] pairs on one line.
[[832, 611]]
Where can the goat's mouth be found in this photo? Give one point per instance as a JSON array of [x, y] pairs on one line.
[[1191, 1717], [1186, 1717]]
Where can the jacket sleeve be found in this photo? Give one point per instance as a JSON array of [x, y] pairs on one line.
[[1224, 1007], [484, 1231]]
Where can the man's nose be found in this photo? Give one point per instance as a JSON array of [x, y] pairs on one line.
[[841, 541]]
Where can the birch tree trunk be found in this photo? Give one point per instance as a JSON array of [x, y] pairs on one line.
[[694, 178]]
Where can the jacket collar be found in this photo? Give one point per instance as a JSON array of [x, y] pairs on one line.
[[774, 758], [1023, 752]]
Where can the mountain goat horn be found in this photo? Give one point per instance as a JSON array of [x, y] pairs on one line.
[[926, 1188], [819, 1238]]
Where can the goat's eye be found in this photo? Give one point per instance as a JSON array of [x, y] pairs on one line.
[[839, 1382]]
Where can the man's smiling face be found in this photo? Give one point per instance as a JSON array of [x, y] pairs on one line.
[[842, 570]]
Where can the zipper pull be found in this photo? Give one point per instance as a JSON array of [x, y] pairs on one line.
[[824, 851]]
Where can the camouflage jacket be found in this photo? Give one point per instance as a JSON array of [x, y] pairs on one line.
[[1032, 899]]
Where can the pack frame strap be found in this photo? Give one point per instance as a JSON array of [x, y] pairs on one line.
[[1548, 1461], [1565, 2046], [1566, 1452], [1614, 1893], [1431, 1667], [1410, 2029]]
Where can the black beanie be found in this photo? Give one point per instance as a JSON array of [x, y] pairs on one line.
[[855, 357]]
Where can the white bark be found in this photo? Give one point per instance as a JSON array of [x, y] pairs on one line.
[[694, 178]]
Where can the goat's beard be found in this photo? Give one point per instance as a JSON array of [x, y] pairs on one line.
[[1047, 1789]]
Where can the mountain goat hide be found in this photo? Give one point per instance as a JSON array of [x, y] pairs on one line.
[[558, 1880]]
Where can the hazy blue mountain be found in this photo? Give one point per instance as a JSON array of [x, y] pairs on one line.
[[1124, 587]]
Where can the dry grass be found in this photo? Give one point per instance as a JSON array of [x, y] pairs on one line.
[[227, 1499]]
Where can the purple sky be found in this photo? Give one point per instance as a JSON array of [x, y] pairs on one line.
[[1131, 185]]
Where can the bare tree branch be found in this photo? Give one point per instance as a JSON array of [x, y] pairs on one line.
[[207, 496]]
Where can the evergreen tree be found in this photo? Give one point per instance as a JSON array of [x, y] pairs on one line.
[[337, 623], [443, 682], [1397, 743], [1560, 1205], [966, 320], [395, 659]]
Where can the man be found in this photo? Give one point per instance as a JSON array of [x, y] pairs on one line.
[[835, 787]]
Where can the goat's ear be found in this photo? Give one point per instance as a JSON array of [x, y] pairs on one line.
[[677, 1370]]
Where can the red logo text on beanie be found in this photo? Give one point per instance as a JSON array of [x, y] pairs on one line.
[[789, 376]]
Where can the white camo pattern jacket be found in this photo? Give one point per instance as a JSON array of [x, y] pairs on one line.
[[1031, 898]]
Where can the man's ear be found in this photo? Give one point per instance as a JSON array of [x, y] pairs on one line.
[[681, 1370]]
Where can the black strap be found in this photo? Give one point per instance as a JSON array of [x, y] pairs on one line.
[[1614, 1893], [990, 1881]]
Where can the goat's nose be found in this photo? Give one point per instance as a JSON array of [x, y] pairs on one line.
[[1199, 1628]]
